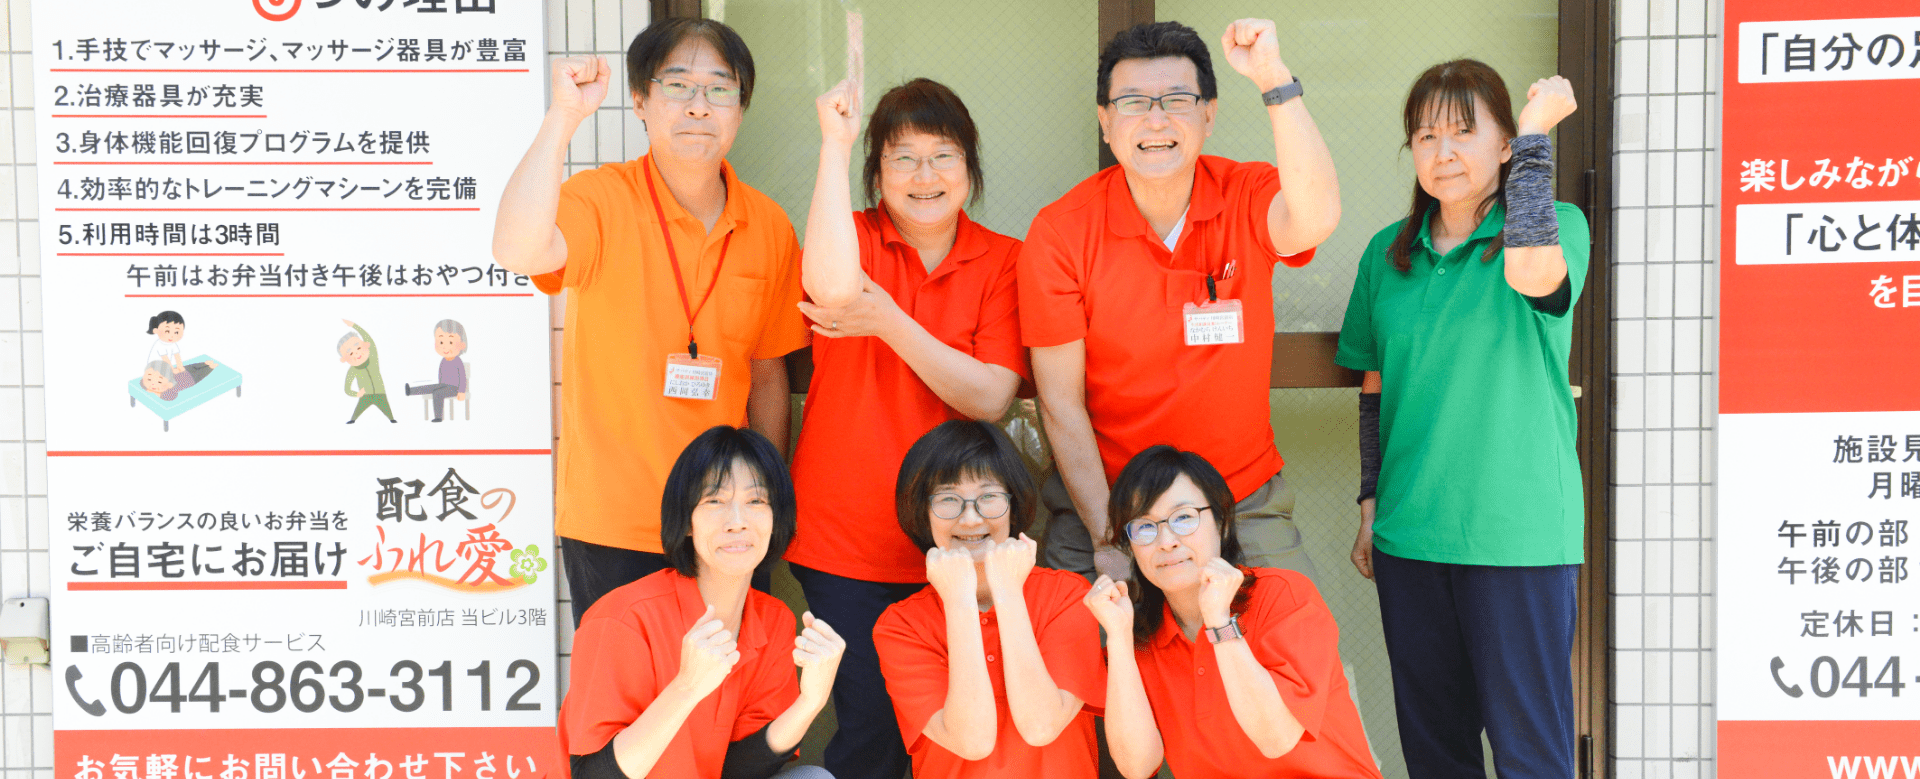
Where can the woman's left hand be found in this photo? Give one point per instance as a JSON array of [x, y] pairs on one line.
[[1549, 100], [818, 650], [1219, 582], [873, 313]]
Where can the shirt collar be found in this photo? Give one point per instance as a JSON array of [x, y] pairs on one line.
[[969, 241], [1169, 632], [752, 633], [1490, 226], [1203, 203], [733, 214]]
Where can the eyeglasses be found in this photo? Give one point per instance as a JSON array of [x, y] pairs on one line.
[[1144, 530], [1172, 102], [990, 505], [682, 91], [907, 163]]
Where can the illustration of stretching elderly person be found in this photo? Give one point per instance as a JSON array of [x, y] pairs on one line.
[[363, 367], [449, 341]]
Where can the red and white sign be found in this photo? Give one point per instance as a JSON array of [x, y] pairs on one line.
[[298, 421], [1818, 642]]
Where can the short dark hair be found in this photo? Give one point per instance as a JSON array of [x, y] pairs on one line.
[[955, 450], [1154, 40], [927, 106], [702, 466], [654, 44], [1148, 476], [154, 322]]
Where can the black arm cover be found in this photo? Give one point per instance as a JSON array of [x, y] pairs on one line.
[[1369, 443], [599, 765], [752, 758]]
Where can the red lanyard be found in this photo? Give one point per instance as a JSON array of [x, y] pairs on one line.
[[693, 349]]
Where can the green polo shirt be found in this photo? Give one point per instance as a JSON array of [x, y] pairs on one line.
[[1476, 417]]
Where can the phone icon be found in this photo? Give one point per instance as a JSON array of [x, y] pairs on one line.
[[95, 708], [1792, 691]]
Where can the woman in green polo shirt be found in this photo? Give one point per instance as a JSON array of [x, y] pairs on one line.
[[1460, 317]]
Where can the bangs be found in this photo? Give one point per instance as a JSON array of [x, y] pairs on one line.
[[1445, 104], [952, 473], [720, 472]]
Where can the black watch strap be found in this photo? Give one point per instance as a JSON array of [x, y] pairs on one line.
[[1283, 93]]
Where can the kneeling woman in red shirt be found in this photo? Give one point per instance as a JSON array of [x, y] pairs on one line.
[[690, 671], [991, 666], [1232, 672]]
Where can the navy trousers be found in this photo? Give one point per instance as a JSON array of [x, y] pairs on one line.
[[1478, 647], [594, 570], [867, 744]]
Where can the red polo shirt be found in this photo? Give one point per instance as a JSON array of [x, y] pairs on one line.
[[912, 640], [866, 406], [1092, 268], [627, 650], [1294, 637]]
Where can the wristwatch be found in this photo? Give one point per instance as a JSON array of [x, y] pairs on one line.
[[1283, 93], [1224, 633]]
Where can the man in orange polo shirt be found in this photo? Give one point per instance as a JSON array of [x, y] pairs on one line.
[[683, 285], [1146, 291]]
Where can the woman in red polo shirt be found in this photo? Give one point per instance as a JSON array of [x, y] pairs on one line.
[[992, 666], [914, 309], [689, 672], [1232, 672]]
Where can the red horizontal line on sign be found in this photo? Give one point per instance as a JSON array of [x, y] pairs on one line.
[[287, 70], [297, 452], [354, 294], [158, 116], [171, 254], [265, 585], [211, 162], [172, 210]]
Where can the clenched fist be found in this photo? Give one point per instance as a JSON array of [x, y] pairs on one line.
[[839, 115], [817, 650], [707, 655], [951, 574], [1111, 608], [1008, 564], [1219, 582], [1549, 100], [580, 85], [1253, 49]]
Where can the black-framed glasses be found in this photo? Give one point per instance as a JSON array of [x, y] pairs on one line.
[[907, 163], [682, 91], [990, 505], [1144, 530], [1171, 102]]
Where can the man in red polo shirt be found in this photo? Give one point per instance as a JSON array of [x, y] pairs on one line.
[[1146, 291]]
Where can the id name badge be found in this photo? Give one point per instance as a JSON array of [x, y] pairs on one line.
[[1213, 323], [692, 378]]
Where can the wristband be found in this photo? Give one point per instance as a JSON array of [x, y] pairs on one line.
[[1283, 93], [1369, 444], [1225, 633], [1530, 217]]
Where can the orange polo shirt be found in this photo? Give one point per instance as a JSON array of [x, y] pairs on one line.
[[866, 406], [1294, 637], [1093, 269], [912, 641], [619, 436], [627, 650]]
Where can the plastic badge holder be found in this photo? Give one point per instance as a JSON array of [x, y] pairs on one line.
[[692, 378], [1214, 322]]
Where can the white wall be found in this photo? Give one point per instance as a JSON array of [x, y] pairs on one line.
[[1666, 188]]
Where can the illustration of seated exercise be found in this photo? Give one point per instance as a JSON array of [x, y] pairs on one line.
[[363, 368], [450, 342]]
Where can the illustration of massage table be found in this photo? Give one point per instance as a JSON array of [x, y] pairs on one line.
[[220, 380]]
